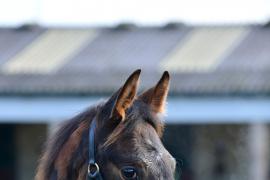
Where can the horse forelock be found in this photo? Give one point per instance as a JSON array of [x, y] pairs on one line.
[[137, 113]]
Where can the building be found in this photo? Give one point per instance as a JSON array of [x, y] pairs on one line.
[[219, 100]]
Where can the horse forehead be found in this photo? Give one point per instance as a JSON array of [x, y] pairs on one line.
[[150, 144], [159, 161], [152, 149], [148, 135], [156, 150]]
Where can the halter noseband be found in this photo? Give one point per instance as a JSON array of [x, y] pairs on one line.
[[93, 171]]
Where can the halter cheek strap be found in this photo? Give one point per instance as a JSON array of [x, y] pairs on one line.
[[93, 171]]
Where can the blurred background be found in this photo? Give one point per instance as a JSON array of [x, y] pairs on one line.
[[58, 57]]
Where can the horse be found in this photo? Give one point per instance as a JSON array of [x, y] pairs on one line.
[[125, 134]]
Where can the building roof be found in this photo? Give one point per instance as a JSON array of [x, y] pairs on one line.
[[223, 60]]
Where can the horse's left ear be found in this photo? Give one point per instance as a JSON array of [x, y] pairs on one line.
[[125, 96], [156, 96]]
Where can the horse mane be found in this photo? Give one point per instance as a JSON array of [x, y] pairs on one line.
[[69, 130]]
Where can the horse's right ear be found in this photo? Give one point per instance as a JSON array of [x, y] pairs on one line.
[[125, 96]]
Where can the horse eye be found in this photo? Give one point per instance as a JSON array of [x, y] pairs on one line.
[[129, 173]]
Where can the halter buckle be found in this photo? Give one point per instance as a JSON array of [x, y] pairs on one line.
[[93, 170]]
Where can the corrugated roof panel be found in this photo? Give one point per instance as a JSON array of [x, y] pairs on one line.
[[202, 49], [116, 50], [13, 41], [48, 52], [101, 65], [252, 54]]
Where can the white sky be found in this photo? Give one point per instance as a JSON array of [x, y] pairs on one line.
[[144, 12]]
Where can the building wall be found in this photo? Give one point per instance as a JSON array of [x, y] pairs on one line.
[[218, 151], [203, 152], [7, 153], [29, 140], [221, 152], [178, 139]]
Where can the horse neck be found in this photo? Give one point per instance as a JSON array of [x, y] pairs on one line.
[[67, 148]]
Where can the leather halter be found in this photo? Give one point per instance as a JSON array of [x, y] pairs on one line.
[[93, 171]]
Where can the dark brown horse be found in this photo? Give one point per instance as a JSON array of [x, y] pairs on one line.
[[127, 137]]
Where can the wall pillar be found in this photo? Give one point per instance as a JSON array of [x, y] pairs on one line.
[[52, 128], [259, 151]]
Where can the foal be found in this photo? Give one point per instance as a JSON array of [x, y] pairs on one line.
[[127, 136]]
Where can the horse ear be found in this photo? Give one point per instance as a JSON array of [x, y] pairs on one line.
[[125, 96], [156, 96]]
